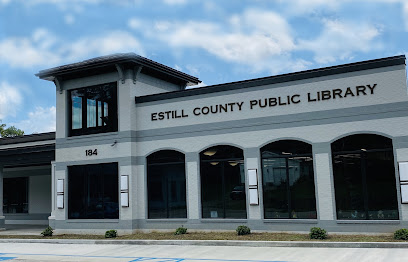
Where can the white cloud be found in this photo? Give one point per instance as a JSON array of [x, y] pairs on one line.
[[310, 6], [109, 43], [10, 100], [340, 40], [40, 120], [5, 2], [202, 84], [256, 38], [192, 69], [405, 14], [175, 2], [29, 51], [43, 48], [179, 68], [249, 38], [135, 23], [69, 19]]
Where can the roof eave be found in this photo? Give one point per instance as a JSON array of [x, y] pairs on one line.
[[50, 74]]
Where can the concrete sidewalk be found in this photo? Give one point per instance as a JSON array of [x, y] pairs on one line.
[[35, 230], [239, 243], [23, 230], [184, 253]]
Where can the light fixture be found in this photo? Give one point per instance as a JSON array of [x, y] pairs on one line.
[[210, 152], [363, 149], [233, 163], [214, 163], [285, 153]]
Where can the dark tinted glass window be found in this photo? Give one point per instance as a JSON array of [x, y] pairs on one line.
[[166, 185], [288, 180], [93, 109], [15, 195], [93, 191], [223, 182], [364, 178]]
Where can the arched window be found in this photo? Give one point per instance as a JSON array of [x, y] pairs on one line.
[[288, 180], [223, 182], [166, 185], [364, 178]]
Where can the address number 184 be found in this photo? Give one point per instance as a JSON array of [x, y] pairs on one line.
[[91, 152]]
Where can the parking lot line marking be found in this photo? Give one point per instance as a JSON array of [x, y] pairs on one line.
[[6, 258], [153, 259]]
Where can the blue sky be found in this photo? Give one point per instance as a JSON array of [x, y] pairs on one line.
[[217, 41]]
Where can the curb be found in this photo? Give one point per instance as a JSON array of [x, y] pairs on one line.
[[216, 243]]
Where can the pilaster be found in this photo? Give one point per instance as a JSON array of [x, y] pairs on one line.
[[324, 181]]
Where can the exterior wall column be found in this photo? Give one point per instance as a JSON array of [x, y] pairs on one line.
[[252, 158], [51, 218], [400, 145], [2, 218], [324, 185], [193, 187]]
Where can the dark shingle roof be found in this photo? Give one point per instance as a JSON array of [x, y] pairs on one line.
[[109, 61], [27, 138]]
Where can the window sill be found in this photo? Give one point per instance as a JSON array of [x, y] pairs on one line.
[[223, 220], [161, 220], [96, 135], [368, 221], [92, 221], [291, 221]]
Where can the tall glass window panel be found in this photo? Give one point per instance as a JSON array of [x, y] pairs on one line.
[[105, 114], [15, 195], [94, 109], [364, 178], [288, 180], [93, 191], [76, 112], [91, 113], [100, 113], [166, 185], [223, 182]]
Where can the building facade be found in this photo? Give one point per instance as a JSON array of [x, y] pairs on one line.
[[136, 150]]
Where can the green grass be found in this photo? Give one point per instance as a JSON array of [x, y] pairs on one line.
[[221, 236]]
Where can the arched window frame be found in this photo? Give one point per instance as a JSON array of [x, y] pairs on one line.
[[375, 144], [225, 157], [285, 150], [162, 161]]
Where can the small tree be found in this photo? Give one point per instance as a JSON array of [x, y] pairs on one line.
[[111, 233], [243, 230], [48, 231], [317, 233], [11, 131], [181, 231]]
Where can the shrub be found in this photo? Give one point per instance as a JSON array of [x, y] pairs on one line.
[[180, 231], [47, 232], [401, 234], [243, 230], [111, 233], [317, 233]]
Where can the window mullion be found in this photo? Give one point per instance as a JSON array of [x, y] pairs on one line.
[[223, 187], [96, 113], [84, 112], [364, 181], [288, 188], [167, 195]]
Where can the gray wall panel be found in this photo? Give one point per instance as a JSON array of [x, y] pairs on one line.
[[277, 122]]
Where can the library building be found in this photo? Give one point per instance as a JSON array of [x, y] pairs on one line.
[[138, 148]]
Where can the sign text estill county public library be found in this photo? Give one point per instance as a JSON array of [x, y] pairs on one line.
[[331, 94]]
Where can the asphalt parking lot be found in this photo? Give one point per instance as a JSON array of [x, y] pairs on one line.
[[171, 253]]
